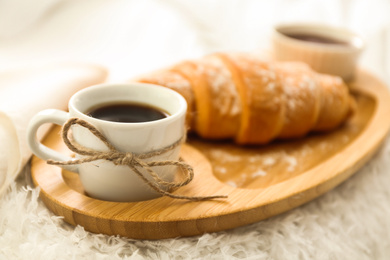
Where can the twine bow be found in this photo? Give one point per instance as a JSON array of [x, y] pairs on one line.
[[133, 161]]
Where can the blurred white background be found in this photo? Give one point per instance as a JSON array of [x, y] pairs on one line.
[[130, 37]]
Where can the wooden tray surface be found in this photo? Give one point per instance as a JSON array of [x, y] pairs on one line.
[[260, 181]]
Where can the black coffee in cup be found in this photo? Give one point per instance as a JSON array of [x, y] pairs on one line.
[[317, 38], [127, 112]]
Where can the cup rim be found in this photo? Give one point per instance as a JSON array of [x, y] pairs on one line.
[[357, 43], [179, 113]]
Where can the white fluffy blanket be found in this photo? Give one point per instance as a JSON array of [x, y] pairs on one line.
[[349, 222], [129, 37]]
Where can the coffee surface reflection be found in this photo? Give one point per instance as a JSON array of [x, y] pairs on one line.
[[127, 113]]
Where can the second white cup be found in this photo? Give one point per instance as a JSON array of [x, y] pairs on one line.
[[326, 49]]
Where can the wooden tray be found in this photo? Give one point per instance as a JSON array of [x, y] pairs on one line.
[[260, 181]]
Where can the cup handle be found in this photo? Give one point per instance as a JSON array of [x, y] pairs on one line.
[[54, 116]]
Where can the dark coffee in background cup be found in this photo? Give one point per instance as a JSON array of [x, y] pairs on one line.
[[316, 38], [127, 112]]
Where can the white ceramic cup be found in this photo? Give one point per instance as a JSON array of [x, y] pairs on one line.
[[102, 179], [338, 59]]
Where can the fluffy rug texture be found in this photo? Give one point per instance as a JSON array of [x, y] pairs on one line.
[[130, 37], [349, 222]]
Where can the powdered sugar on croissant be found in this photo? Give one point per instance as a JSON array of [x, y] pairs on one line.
[[254, 101]]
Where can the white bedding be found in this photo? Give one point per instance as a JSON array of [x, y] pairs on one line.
[[131, 37]]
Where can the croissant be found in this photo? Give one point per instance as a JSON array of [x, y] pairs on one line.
[[254, 101]]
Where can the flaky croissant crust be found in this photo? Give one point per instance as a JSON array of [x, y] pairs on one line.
[[253, 100]]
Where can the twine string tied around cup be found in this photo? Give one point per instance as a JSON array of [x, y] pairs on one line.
[[134, 161]]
